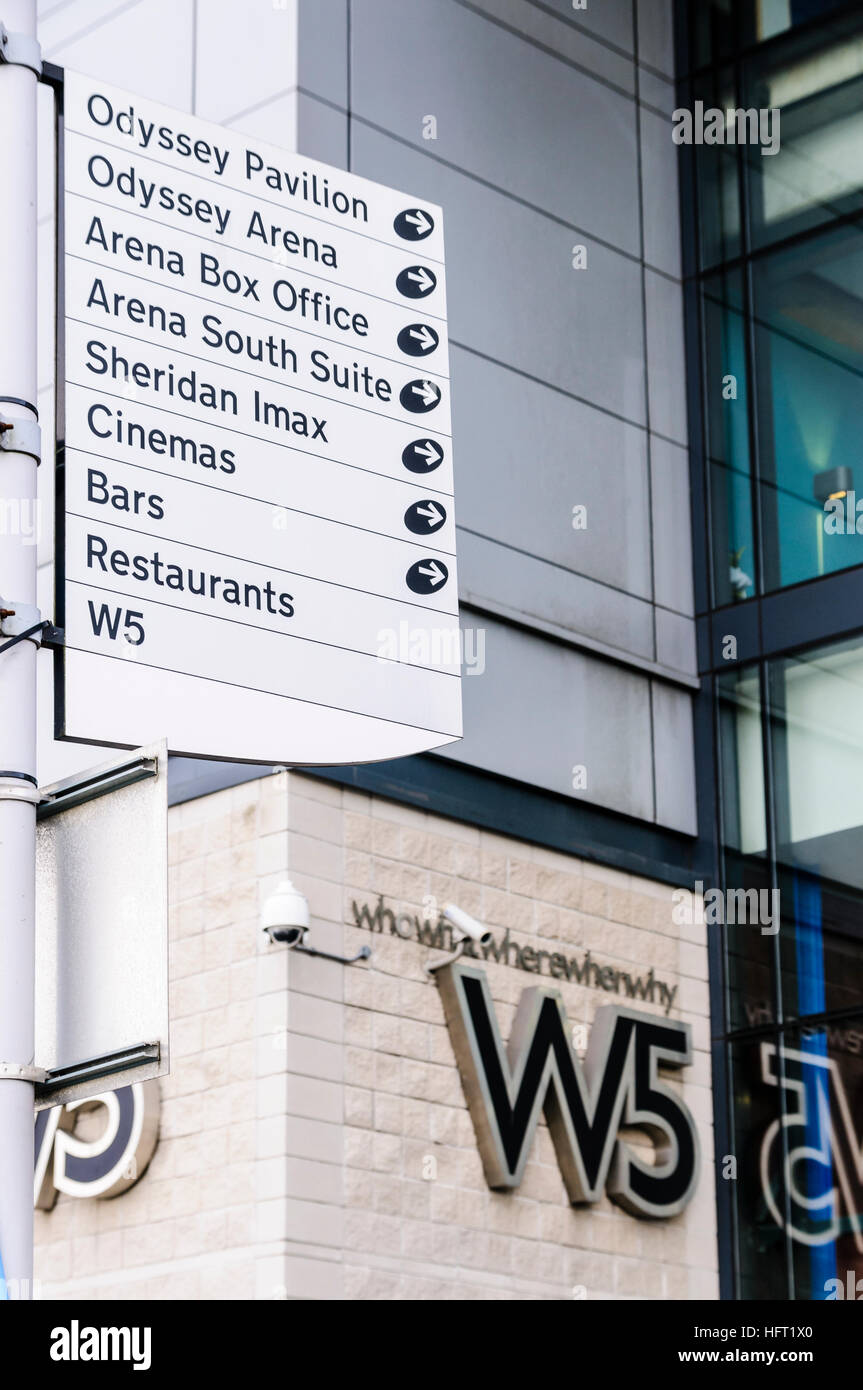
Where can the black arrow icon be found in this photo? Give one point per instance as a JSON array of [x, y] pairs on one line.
[[427, 576], [422, 456], [418, 340], [419, 396], [425, 517], [413, 224], [416, 282]]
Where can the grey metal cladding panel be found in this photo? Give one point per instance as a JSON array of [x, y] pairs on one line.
[[511, 291], [141, 48], [322, 131], [656, 34], [569, 41], [672, 526], [275, 120], [666, 362], [506, 111], [540, 709], [675, 641], [529, 590], [525, 455], [674, 758], [322, 49], [241, 60], [607, 19], [657, 91], [659, 157]]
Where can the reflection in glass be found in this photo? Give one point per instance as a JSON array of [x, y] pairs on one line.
[[816, 702], [820, 1073], [727, 409], [775, 16], [761, 1245], [798, 1134], [808, 305], [817, 173], [817, 731], [749, 952]]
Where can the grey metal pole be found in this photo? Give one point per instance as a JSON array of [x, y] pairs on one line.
[[18, 386]]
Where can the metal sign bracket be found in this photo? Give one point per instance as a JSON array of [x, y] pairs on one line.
[[19, 1071], [94, 1068], [20, 50], [21, 437], [19, 786], [16, 619]]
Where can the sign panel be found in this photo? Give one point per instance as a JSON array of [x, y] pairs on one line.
[[586, 1103], [102, 929], [256, 539]]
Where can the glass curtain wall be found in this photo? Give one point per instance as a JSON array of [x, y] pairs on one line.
[[775, 288]]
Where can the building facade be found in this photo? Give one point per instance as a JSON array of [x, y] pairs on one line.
[[653, 366], [314, 1136]]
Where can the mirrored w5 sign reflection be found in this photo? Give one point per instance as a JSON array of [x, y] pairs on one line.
[[823, 1167], [97, 1147]]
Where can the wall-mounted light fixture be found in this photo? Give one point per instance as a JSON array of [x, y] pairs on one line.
[[832, 483]]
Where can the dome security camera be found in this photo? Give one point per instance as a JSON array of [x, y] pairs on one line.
[[467, 927], [285, 918], [285, 915]]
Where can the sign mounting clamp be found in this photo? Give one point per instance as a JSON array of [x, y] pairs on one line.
[[20, 50], [21, 437]]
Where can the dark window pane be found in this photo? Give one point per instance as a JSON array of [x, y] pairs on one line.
[[717, 170], [726, 409], [821, 945], [761, 1244], [749, 950], [749, 947], [713, 30]]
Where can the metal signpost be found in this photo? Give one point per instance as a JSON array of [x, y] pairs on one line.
[[256, 520], [19, 451]]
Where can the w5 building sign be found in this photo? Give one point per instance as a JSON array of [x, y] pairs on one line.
[[823, 1158], [585, 1104], [101, 1163]]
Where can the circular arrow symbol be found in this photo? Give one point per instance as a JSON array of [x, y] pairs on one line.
[[416, 282], [418, 340], [422, 456], [425, 517], [413, 224], [419, 396], [427, 576]]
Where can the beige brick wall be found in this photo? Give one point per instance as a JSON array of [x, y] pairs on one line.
[[306, 1098]]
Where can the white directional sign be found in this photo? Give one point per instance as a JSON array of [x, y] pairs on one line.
[[256, 540]]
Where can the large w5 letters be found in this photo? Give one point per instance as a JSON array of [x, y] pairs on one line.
[[585, 1104]]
